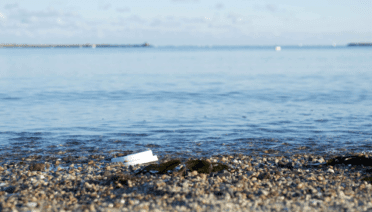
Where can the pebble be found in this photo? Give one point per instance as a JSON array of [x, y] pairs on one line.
[[31, 204], [241, 183]]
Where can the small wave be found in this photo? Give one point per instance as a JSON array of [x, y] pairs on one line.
[[26, 139], [11, 98]]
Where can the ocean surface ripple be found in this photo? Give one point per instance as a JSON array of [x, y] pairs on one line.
[[189, 101]]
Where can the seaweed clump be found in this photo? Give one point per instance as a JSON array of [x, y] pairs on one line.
[[162, 168], [175, 166], [201, 166], [352, 160]]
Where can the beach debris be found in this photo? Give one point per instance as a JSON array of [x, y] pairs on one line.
[[138, 158]]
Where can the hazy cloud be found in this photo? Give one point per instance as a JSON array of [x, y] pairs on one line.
[[105, 7], [236, 18], [271, 7], [11, 6], [45, 15], [197, 20], [136, 18], [123, 9], [28, 21], [219, 6], [164, 23]]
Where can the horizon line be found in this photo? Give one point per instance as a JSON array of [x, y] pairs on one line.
[[105, 45]]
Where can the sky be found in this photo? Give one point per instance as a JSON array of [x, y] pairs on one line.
[[186, 22]]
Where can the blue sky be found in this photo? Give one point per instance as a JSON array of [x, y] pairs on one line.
[[186, 22]]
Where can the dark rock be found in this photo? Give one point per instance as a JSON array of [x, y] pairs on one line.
[[368, 179], [10, 189], [353, 160], [285, 165], [37, 167], [217, 167], [201, 166], [264, 176], [121, 178], [227, 174]]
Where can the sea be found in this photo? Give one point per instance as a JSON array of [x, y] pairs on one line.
[[185, 101]]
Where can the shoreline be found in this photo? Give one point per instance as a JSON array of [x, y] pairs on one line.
[[299, 182], [87, 45]]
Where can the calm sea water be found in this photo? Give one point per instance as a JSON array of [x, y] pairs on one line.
[[185, 100]]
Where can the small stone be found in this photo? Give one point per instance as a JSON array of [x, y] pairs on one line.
[[331, 171], [264, 192], [300, 186], [264, 176], [31, 204], [91, 208], [321, 160], [130, 183], [37, 167], [194, 173]]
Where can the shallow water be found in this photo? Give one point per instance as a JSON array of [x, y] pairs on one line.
[[185, 100]]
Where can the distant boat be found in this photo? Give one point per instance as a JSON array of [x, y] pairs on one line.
[[278, 48]]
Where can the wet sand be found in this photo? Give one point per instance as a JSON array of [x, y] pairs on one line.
[[300, 182]]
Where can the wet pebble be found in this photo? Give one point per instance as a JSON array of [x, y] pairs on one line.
[[238, 183]]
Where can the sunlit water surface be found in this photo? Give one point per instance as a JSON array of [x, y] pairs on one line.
[[185, 100]]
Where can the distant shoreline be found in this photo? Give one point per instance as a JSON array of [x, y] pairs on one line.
[[360, 44], [88, 45]]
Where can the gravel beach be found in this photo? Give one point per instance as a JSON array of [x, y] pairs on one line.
[[300, 182]]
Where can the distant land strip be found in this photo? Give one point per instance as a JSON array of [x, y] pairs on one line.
[[88, 45], [360, 44]]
